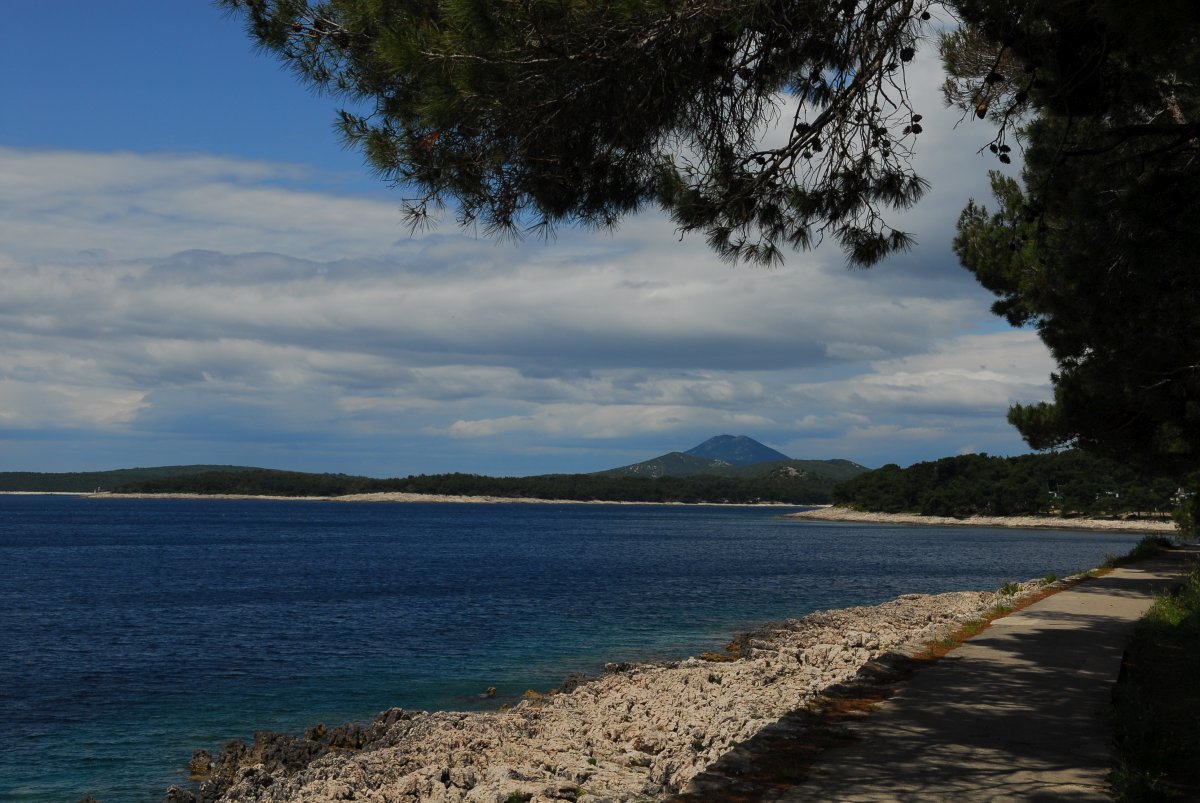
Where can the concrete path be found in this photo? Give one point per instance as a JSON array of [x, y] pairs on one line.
[[1016, 713]]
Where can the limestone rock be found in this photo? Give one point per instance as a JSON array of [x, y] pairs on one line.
[[177, 795], [200, 764], [637, 730]]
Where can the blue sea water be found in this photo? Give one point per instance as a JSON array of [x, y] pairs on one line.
[[135, 631]]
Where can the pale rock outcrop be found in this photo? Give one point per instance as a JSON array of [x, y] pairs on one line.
[[639, 730]]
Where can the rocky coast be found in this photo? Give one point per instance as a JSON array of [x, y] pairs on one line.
[[1145, 526], [637, 732]]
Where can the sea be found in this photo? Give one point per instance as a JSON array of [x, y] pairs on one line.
[[134, 631]]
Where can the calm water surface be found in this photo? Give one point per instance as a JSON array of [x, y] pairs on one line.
[[134, 631]]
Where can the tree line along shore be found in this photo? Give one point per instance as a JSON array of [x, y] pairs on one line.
[[1061, 485]]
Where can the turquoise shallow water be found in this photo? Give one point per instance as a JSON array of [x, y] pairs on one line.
[[134, 631]]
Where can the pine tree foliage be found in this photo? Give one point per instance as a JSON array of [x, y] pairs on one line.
[[1096, 245], [763, 124], [773, 124], [1059, 483], [1119, 76]]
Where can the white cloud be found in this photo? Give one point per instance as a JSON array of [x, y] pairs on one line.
[[60, 204], [854, 351], [586, 421], [888, 433], [968, 375], [28, 405], [198, 298]]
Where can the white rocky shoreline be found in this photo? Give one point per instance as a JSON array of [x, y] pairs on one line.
[[832, 513], [638, 732], [404, 496], [817, 512]]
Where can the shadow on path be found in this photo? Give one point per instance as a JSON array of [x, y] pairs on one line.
[[1015, 713]]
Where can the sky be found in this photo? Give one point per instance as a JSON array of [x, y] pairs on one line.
[[194, 270]]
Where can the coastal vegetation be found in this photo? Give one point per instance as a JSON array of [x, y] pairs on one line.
[[1156, 705], [778, 485], [723, 469], [1068, 483], [87, 481]]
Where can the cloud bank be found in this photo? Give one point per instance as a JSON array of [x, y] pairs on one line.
[[196, 309]]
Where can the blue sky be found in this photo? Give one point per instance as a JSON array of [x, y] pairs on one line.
[[195, 271]]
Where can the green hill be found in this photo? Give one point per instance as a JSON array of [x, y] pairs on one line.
[[88, 481], [784, 485], [838, 470], [681, 464], [737, 450], [1069, 483], [727, 468], [736, 456], [674, 464]]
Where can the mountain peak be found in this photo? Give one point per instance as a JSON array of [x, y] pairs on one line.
[[739, 457], [737, 450]]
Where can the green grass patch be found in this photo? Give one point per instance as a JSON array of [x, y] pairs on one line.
[[1156, 705], [1148, 547]]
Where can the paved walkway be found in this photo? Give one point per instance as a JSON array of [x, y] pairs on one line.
[[1016, 713]]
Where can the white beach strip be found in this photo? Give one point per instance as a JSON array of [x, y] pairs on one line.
[[1042, 522], [400, 496]]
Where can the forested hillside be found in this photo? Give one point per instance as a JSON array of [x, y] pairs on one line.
[[782, 485], [87, 481], [682, 464], [1069, 482]]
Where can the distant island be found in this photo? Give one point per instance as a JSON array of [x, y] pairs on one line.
[[726, 469], [90, 481]]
